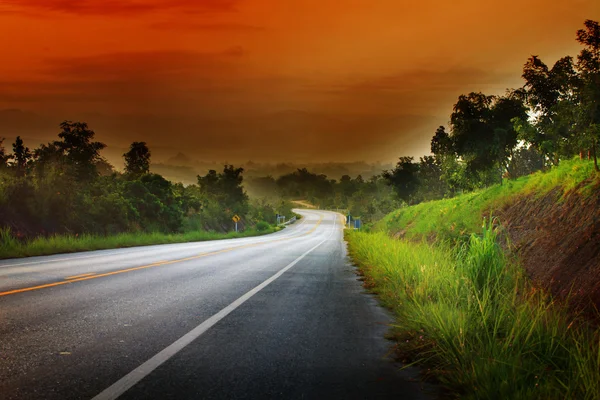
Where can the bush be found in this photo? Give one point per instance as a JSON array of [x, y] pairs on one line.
[[262, 226]]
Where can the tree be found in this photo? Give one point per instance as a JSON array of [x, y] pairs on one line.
[[483, 133], [471, 131], [588, 63], [137, 159], [524, 161], [104, 168], [442, 144], [22, 157], [4, 158], [550, 94], [503, 111], [80, 152], [225, 189], [431, 185], [47, 157], [404, 178]]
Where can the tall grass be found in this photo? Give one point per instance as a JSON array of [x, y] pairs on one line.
[[471, 317], [10, 247]]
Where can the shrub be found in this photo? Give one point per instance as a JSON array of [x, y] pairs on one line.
[[262, 226]]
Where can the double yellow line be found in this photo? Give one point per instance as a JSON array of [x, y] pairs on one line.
[[88, 276]]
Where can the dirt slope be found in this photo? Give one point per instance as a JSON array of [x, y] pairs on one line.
[[557, 238]]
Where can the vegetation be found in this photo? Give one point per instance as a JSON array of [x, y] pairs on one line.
[[465, 309], [469, 316], [64, 196], [553, 117], [369, 199], [457, 217]]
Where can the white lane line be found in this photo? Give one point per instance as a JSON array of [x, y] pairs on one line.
[[132, 378]]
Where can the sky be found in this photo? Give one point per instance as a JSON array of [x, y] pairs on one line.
[[267, 80]]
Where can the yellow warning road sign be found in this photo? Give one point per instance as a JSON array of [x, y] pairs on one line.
[[236, 218]]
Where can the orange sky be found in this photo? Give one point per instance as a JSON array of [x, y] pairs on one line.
[[278, 80]]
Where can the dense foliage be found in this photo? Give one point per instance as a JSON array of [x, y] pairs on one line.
[[65, 186]]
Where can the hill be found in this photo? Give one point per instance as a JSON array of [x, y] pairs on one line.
[[551, 221]]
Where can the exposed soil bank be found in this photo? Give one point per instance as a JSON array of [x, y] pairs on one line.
[[557, 238]]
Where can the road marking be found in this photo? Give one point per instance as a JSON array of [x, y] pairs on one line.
[[132, 378], [85, 277], [80, 276]]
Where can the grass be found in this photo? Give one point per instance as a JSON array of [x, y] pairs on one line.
[[10, 247], [468, 314], [461, 215]]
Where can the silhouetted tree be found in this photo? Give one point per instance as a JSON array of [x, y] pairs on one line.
[[80, 152], [137, 159], [431, 185], [549, 93], [404, 178], [588, 63], [4, 158], [22, 157], [441, 144], [483, 133], [226, 189], [505, 137]]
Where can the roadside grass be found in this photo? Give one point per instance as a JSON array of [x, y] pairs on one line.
[[468, 314], [11, 247], [458, 216]]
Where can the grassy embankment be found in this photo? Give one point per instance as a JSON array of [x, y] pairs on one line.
[[10, 247], [466, 311]]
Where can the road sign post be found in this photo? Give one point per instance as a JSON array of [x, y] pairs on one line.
[[236, 219]]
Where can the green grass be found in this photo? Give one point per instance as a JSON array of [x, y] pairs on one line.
[[461, 215], [468, 315], [10, 247]]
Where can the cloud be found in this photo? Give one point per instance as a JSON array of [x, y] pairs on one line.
[[206, 104], [118, 7], [138, 65], [159, 81], [179, 25], [414, 91]]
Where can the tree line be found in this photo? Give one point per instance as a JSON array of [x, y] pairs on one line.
[[554, 116], [66, 186]]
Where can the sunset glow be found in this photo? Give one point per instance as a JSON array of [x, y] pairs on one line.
[[241, 79]]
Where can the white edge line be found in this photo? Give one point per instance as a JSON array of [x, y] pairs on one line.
[[129, 380]]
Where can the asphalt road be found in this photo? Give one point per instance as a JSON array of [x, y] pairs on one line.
[[278, 316]]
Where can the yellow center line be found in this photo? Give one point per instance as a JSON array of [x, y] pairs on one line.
[[85, 277], [79, 276]]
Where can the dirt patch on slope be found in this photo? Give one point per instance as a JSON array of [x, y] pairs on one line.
[[557, 238]]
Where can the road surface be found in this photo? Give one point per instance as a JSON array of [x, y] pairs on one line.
[[277, 316]]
